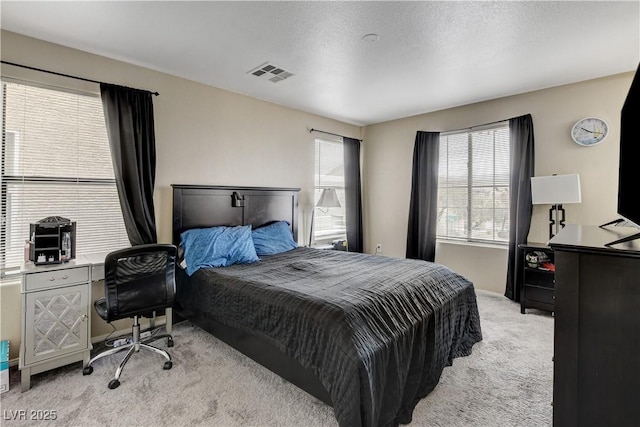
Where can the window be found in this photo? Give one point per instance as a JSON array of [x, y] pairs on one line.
[[473, 185], [56, 161], [329, 221]]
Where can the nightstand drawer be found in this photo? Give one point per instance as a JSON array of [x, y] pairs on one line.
[[539, 278], [540, 294], [54, 278]]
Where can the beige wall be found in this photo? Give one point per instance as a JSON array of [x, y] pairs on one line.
[[204, 135], [389, 152]]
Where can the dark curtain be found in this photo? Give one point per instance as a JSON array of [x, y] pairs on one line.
[[129, 117], [353, 194], [421, 234], [522, 168]]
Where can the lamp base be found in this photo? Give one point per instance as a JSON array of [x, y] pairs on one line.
[[556, 219]]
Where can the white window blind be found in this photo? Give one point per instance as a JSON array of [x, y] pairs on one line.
[[473, 185], [56, 161], [329, 223]]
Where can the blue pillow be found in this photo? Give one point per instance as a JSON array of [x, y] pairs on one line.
[[273, 238], [217, 247]]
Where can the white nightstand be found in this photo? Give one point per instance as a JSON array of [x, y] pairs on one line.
[[55, 316]]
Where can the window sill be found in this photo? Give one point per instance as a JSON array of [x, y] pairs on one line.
[[323, 247], [504, 247]]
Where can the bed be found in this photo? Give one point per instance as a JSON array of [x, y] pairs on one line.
[[368, 335]]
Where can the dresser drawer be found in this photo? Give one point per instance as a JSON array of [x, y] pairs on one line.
[[55, 278]]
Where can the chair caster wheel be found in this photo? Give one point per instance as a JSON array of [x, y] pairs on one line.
[[169, 342], [167, 365], [114, 384], [87, 370]]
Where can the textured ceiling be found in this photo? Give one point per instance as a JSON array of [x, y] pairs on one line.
[[430, 55]]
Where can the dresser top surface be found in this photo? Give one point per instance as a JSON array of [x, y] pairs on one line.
[[594, 238], [86, 260]]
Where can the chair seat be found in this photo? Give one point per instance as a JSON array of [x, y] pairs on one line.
[[101, 309]]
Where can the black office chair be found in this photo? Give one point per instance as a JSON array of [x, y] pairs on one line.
[[139, 282]]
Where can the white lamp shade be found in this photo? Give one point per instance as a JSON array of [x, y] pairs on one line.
[[555, 189], [328, 199]]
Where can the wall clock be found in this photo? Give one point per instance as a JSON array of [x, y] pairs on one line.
[[589, 131]]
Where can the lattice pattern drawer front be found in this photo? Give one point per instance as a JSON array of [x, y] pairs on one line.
[[57, 319]]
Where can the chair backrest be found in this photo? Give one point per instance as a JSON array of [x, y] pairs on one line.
[[139, 280]]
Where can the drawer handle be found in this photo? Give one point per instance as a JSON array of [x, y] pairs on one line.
[[65, 277]]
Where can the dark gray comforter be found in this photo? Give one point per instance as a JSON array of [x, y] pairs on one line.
[[377, 331]]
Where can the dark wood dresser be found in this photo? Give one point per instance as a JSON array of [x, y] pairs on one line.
[[596, 380]]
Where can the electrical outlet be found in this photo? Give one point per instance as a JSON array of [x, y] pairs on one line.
[[145, 334], [378, 249], [121, 341]]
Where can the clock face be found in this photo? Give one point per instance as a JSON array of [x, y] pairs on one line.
[[589, 131]]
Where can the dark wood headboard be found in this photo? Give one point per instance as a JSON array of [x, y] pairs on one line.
[[201, 206]]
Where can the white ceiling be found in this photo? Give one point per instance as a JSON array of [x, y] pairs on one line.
[[430, 55]]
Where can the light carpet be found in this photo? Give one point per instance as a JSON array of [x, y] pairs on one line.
[[506, 381]]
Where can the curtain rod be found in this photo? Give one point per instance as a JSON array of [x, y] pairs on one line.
[[477, 126], [330, 133], [73, 77]]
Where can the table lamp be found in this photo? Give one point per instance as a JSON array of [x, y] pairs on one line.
[[555, 190], [328, 199]]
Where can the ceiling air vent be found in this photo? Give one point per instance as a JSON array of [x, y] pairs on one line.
[[271, 72]]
